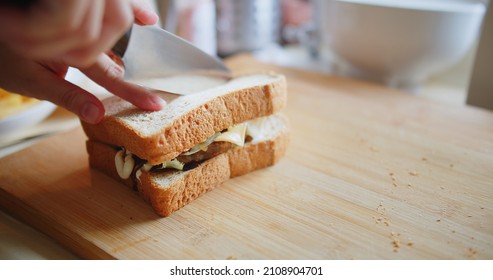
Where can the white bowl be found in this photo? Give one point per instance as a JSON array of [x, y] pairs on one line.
[[25, 118], [400, 43]]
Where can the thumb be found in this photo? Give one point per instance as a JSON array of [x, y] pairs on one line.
[[144, 13]]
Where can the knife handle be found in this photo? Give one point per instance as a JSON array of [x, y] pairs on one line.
[[121, 46]]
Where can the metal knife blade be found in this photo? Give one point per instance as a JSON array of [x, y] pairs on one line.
[[149, 52]]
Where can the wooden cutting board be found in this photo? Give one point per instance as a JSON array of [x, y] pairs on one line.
[[371, 173]]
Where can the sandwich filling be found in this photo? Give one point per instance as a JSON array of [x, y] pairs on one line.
[[257, 130]]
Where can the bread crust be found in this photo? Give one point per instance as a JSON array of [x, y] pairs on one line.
[[183, 187], [193, 126]]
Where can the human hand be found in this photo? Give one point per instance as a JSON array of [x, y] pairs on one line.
[[34, 64], [73, 31], [45, 80]]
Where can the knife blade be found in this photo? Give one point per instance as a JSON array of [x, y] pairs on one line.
[[149, 52]]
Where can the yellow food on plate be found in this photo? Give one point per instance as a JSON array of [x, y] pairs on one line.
[[11, 103]]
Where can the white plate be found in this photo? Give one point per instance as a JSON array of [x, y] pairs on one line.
[[25, 118]]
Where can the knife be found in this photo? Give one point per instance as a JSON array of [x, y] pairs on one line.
[[149, 52]]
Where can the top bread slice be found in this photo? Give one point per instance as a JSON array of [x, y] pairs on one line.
[[188, 119]]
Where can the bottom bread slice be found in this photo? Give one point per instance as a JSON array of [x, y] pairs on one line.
[[171, 190]]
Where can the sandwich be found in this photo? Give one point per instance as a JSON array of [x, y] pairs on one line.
[[216, 130]]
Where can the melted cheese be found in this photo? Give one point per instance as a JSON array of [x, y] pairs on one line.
[[235, 134], [259, 129]]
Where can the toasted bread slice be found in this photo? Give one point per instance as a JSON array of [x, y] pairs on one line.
[[189, 119]]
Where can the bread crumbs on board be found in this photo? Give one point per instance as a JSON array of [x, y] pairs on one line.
[[396, 243], [394, 180], [471, 252]]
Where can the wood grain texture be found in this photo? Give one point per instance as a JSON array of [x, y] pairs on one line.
[[370, 173]]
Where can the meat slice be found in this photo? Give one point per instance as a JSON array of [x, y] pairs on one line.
[[213, 150]]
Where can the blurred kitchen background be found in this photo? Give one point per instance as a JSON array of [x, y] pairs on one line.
[[425, 47]]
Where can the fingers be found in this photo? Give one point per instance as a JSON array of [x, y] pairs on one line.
[[41, 19], [45, 81], [74, 32], [109, 75], [69, 96], [45, 27], [82, 35], [116, 20], [49, 84], [85, 105], [143, 12]]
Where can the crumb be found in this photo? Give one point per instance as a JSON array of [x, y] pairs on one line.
[[469, 216], [442, 187], [453, 231], [451, 165], [394, 180], [413, 173], [380, 207], [471, 252], [424, 159], [438, 220], [410, 243], [396, 244], [482, 208], [231, 258]]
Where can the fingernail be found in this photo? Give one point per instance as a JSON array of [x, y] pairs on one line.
[[90, 113], [158, 101]]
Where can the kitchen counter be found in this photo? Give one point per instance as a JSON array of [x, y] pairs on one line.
[[409, 174]]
